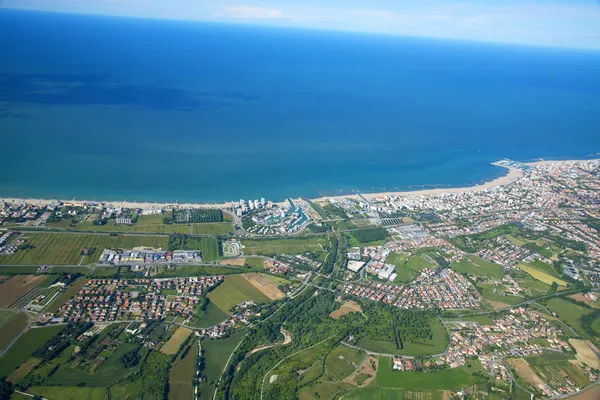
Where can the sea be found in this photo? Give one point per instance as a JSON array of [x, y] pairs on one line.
[[109, 108]]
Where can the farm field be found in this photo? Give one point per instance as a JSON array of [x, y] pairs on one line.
[[568, 312], [408, 267], [66, 295], [474, 265], [67, 393], [234, 290], [217, 353], [544, 267], [65, 248], [181, 374], [255, 262], [11, 324], [542, 276], [265, 285], [488, 294], [348, 307], [585, 353], [450, 379], [14, 288], [555, 368], [23, 370], [213, 315], [207, 245], [172, 345], [341, 362], [377, 393], [313, 244], [25, 347]]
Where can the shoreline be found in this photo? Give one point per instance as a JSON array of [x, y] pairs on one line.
[[512, 175]]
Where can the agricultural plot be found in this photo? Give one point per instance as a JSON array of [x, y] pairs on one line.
[[216, 353], [66, 295], [65, 248], [11, 324], [543, 267], [377, 393], [27, 344], [541, 275], [556, 372], [568, 312], [474, 265], [181, 374], [23, 370], [265, 285], [212, 316], [449, 379], [348, 307], [341, 362], [197, 215], [67, 393], [313, 244], [368, 236], [585, 353], [207, 245], [488, 293], [172, 345], [235, 290], [16, 287]]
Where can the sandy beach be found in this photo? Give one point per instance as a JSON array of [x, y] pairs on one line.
[[513, 175]]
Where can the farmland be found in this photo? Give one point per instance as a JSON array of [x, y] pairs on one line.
[[341, 362], [66, 295], [348, 307], [216, 354], [181, 374], [265, 285], [172, 345], [207, 245], [299, 245], [453, 379], [11, 324], [541, 275], [196, 215], [66, 248], [234, 290], [474, 265], [25, 347], [68, 393], [16, 287], [568, 312]]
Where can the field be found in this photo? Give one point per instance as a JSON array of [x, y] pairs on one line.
[[66, 295], [208, 246], [27, 344], [542, 276], [348, 307], [181, 374], [265, 285], [236, 262], [591, 394], [234, 290], [524, 370], [568, 312], [197, 215], [452, 379], [488, 294], [11, 324], [585, 353], [544, 267], [213, 315], [313, 244], [172, 345], [16, 287], [68, 393], [555, 368], [341, 362], [23, 370], [370, 235], [255, 262], [408, 267], [65, 248], [216, 354], [473, 265], [376, 393]]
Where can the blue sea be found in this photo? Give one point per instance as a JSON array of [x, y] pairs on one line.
[[113, 108]]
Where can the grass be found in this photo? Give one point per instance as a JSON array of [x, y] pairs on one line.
[[377, 393], [172, 345], [27, 344], [544, 267], [568, 312], [181, 374], [23, 370], [68, 393], [255, 262], [407, 268], [216, 353], [480, 319], [11, 324], [474, 265], [65, 248], [488, 294], [541, 276], [435, 346], [452, 379], [300, 245], [234, 290], [341, 362], [66, 295], [213, 315]]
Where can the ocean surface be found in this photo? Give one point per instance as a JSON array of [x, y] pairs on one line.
[[117, 108]]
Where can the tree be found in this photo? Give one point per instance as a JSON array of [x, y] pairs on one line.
[[130, 359], [554, 286], [6, 389]]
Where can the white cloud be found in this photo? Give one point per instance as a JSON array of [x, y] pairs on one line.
[[253, 12]]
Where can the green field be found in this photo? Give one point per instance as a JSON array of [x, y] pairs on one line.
[[11, 324], [488, 294], [181, 374], [65, 248], [435, 346], [66, 295], [314, 244], [408, 267], [568, 312], [453, 379], [213, 315], [542, 266], [376, 393], [255, 262], [68, 393], [234, 290], [480, 319], [474, 265], [25, 347], [216, 353], [207, 245], [341, 362]]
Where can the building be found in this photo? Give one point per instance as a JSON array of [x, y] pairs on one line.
[[355, 266]]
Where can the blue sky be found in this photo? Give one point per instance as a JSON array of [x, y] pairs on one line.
[[567, 23]]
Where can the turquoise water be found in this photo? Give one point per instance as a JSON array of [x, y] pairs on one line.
[[114, 108]]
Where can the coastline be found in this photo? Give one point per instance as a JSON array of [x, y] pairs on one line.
[[512, 175]]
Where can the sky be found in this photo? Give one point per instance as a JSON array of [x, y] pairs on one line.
[[566, 23]]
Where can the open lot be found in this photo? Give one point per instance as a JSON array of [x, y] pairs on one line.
[[65, 248], [474, 265], [313, 244], [234, 290], [172, 345], [66, 295], [16, 287], [23, 370], [541, 275]]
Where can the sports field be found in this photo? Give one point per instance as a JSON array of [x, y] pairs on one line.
[[65, 248], [474, 265], [313, 244], [234, 290], [542, 276]]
